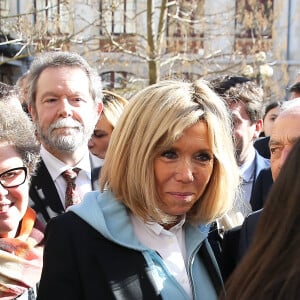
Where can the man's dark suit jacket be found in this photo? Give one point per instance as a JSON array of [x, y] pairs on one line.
[[261, 189], [247, 233], [98, 268], [44, 198], [262, 146], [261, 184], [237, 240], [236, 243], [260, 164]]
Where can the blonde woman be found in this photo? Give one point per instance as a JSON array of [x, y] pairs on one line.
[[113, 106], [169, 168]]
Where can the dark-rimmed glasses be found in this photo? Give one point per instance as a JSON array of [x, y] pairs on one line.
[[13, 177]]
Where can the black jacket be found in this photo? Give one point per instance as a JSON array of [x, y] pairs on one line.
[[236, 243], [262, 146], [99, 268], [261, 189], [44, 198]]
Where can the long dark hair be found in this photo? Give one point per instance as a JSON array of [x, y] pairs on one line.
[[271, 267]]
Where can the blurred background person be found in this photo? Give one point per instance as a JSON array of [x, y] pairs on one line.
[[5, 90], [9, 94], [271, 267], [21, 87], [271, 111], [284, 134], [21, 234], [169, 168], [245, 100], [295, 90], [113, 106]]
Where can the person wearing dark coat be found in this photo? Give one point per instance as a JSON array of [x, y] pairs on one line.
[[244, 99], [261, 189], [262, 146], [237, 241], [64, 101], [271, 267]]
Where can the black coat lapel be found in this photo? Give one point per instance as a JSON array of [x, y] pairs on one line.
[[44, 198]]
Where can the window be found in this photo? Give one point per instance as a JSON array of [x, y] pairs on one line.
[[115, 80], [187, 76], [118, 16], [4, 7], [186, 19], [185, 26], [54, 12], [254, 20]]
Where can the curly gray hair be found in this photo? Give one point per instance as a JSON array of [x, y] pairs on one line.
[[17, 130]]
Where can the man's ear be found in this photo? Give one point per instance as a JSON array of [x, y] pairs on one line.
[[32, 112], [99, 112], [100, 108], [258, 128]]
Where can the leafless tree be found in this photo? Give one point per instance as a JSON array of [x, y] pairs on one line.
[[184, 38]]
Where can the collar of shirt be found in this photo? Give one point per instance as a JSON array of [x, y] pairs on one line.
[[56, 166], [159, 229], [247, 168], [170, 244], [96, 161], [152, 234]]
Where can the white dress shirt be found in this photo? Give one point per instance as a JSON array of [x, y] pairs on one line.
[[247, 173], [170, 244], [56, 167]]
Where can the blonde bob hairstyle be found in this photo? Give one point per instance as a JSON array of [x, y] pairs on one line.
[[150, 124], [113, 106]]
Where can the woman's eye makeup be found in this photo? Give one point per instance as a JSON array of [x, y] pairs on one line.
[[204, 156], [169, 154], [201, 156]]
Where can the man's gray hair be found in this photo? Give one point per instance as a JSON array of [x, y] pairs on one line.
[[62, 59]]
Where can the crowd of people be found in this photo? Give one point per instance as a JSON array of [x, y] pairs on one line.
[[186, 190]]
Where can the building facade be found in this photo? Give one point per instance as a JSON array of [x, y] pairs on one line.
[[132, 42]]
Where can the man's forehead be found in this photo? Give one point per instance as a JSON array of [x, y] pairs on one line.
[[286, 129], [286, 140], [238, 110], [291, 117]]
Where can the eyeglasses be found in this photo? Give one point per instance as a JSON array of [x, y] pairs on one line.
[[13, 177]]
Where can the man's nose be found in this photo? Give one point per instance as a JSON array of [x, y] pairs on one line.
[[65, 108]]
